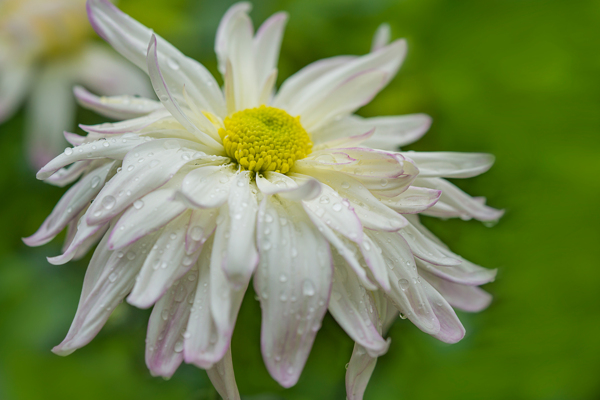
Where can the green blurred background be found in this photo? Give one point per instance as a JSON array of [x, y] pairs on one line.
[[516, 78]]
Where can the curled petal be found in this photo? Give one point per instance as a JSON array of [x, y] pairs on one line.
[[413, 200], [463, 297], [109, 277], [117, 107], [74, 201], [208, 186], [451, 329]]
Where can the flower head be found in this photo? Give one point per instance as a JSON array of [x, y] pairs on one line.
[[45, 48], [195, 195]]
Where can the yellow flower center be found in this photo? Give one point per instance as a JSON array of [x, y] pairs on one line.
[[265, 139]]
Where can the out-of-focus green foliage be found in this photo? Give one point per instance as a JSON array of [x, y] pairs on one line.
[[520, 79]]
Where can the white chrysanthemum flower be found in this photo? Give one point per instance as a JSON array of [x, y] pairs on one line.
[[194, 195], [46, 47]]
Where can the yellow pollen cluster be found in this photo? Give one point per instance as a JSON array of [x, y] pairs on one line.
[[265, 139]]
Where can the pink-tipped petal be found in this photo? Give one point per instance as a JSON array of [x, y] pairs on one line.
[[293, 282]]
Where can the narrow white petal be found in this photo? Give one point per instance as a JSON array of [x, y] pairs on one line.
[[293, 281], [167, 326], [165, 95], [359, 371], [407, 292], [68, 175], [242, 256], [222, 39], [115, 148], [387, 60], [225, 299], [354, 309], [203, 346], [301, 79], [117, 107], [394, 132], [165, 263], [372, 213], [129, 125], [427, 249], [463, 297], [450, 164], [208, 187], [145, 169], [341, 100], [148, 214], [459, 200], [371, 253], [130, 38], [413, 200], [382, 37], [451, 329], [223, 379], [267, 43], [76, 199], [110, 276]]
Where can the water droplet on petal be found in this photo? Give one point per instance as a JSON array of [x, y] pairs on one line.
[[308, 288], [138, 204], [68, 151], [108, 202]]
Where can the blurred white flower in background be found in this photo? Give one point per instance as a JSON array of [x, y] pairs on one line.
[[46, 47]]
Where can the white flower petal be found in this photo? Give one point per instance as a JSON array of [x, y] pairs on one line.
[[202, 225], [450, 164], [267, 43], [146, 168], [223, 379], [165, 263], [354, 309], [466, 273], [110, 276], [386, 60], [130, 38], [371, 253], [128, 126], [293, 281], [407, 293], [451, 329], [167, 326], [117, 107], [225, 299], [382, 37], [242, 256], [336, 212], [359, 371], [292, 189], [341, 100], [73, 201], [346, 141], [241, 54], [393, 132], [382, 173], [413, 200], [68, 175], [222, 39], [303, 78], [208, 187], [203, 346], [85, 237], [463, 297], [426, 249], [115, 148], [372, 213], [165, 95], [459, 200], [148, 214]]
